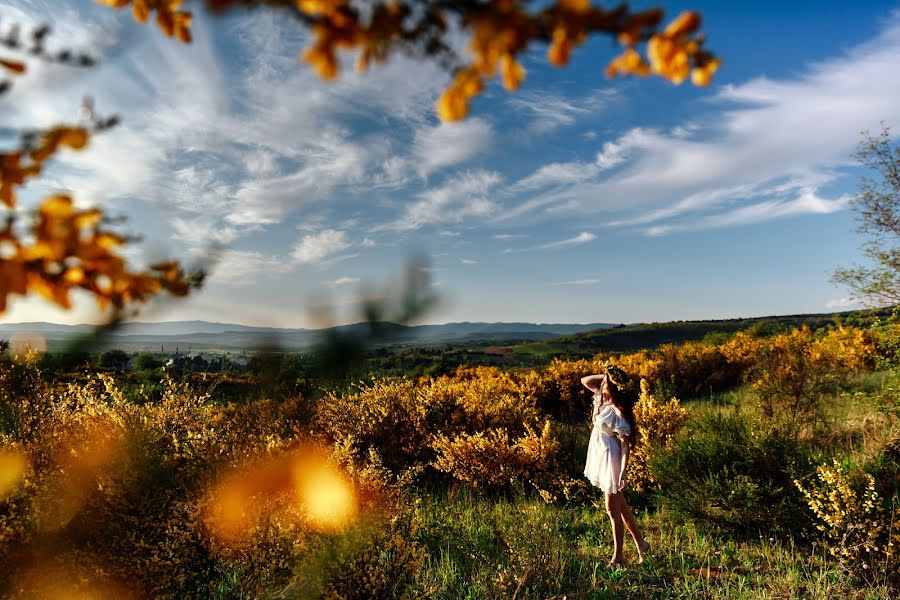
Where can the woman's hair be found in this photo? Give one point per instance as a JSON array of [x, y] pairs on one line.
[[621, 400], [620, 397]]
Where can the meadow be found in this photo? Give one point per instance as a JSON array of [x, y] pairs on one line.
[[766, 467]]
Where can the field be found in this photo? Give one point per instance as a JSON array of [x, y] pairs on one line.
[[765, 467]]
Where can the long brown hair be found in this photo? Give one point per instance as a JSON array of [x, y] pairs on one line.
[[619, 399]]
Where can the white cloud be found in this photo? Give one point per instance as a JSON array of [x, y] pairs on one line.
[[316, 247], [806, 202], [582, 238], [767, 149], [550, 111], [557, 174], [449, 144], [241, 267], [343, 281], [463, 196], [612, 155], [468, 261], [508, 236], [843, 304], [578, 282]]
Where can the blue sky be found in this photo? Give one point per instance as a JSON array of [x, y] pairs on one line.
[[575, 199]]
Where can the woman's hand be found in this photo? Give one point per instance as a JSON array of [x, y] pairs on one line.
[[621, 485]]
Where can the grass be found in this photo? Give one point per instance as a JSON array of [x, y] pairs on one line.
[[523, 548], [520, 547]]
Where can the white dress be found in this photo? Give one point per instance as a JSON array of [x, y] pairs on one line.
[[604, 456]]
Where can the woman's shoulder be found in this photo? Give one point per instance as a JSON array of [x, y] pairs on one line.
[[612, 408]]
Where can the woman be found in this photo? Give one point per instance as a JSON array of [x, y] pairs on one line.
[[607, 459]]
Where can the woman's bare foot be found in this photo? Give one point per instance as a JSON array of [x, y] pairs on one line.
[[615, 563], [643, 551]]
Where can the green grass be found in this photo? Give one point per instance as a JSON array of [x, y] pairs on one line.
[[498, 548], [504, 547]]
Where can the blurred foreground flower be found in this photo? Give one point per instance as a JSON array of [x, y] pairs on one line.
[[13, 465], [300, 487]]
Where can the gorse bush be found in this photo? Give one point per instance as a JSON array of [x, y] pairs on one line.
[[852, 520], [492, 459], [794, 370], [558, 388], [108, 492], [409, 423], [658, 423]]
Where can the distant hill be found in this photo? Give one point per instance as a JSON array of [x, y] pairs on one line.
[[203, 336], [627, 338]]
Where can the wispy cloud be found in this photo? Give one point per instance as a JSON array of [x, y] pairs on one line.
[[578, 282], [449, 144], [763, 153], [843, 304], [343, 281], [582, 238], [468, 261], [243, 267], [465, 195], [316, 247], [806, 202], [549, 111]]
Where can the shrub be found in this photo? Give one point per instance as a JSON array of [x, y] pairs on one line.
[[734, 475], [658, 424], [795, 370], [558, 388], [378, 559], [400, 419], [492, 459], [853, 522]]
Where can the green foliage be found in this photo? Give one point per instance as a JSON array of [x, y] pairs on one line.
[[878, 217], [145, 361], [114, 359], [734, 474]]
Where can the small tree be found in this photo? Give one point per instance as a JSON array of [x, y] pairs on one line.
[[878, 218], [114, 359]]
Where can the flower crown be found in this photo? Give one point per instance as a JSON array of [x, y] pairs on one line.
[[614, 374]]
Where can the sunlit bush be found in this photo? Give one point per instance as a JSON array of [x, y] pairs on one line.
[[400, 419], [658, 423], [492, 458], [558, 388], [794, 370], [855, 527]]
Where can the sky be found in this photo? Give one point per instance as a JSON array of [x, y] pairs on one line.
[[575, 199]]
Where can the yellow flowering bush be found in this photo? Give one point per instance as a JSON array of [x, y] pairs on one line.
[[558, 388], [795, 369], [492, 458], [400, 419], [642, 365], [852, 520], [658, 423]]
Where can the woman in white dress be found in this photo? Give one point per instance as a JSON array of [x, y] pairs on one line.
[[607, 459]]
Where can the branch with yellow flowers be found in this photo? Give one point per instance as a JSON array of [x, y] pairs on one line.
[[500, 31], [67, 248]]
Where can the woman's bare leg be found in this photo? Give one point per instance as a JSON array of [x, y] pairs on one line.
[[614, 510], [631, 524]]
